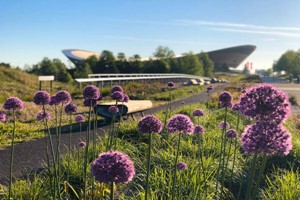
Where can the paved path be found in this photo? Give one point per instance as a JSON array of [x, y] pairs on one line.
[[30, 156]]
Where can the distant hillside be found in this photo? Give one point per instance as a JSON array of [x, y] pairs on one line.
[[18, 83]]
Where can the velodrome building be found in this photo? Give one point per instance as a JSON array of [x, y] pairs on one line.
[[230, 57]]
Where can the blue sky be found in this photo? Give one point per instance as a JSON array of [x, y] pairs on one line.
[[31, 30]]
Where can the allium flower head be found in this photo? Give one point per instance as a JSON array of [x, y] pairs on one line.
[[81, 144], [13, 103], [180, 124], [209, 88], [71, 108], [265, 103], [150, 124], [100, 97], [225, 99], [171, 84], [41, 98], [90, 102], [113, 166], [231, 133], [181, 166], [79, 118], [113, 109], [191, 92], [182, 103], [222, 125], [199, 130], [268, 139], [41, 116], [236, 107], [91, 92], [117, 88], [126, 98], [53, 101], [63, 97], [118, 96], [2, 117], [198, 113]]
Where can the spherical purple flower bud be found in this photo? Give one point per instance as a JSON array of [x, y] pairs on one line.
[[171, 84], [63, 97], [113, 109], [2, 117], [181, 166], [191, 92], [70, 108], [13, 103], [225, 99], [198, 113], [150, 124], [90, 102], [222, 125], [236, 107], [118, 96], [100, 97], [265, 103], [113, 166], [209, 88], [53, 101], [81, 144], [117, 88], [268, 139], [41, 116], [79, 118], [182, 103], [199, 130], [180, 124], [126, 98], [231, 133], [41, 98], [91, 92]]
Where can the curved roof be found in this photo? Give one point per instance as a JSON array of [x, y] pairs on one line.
[[231, 57]]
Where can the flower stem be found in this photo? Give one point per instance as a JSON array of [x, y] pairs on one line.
[[250, 178], [235, 143], [148, 166], [12, 155], [69, 146], [175, 167], [262, 169], [112, 191]]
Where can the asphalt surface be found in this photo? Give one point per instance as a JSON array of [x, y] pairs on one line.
[[30, 156]]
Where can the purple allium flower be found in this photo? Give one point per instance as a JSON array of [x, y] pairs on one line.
[[265, 103], [209, 88], [117, 88], [2, 116], [171, 84], [198, 113], [222, 125], [13, 103], [236, 107], [181, 166], [100, 97], [79, 118], [41, 98], [53, 101], [71, 108], [126, 98], [191, 92], [63, 97], [239, 89], [113, 166], [182, 103], [225, 99], [180, 124], [199, 130], [91, 92], [81, 144], [90, 102], [113, 109], [150, 124], [268, 139], [231, 133], [41, 116], [118, 96]]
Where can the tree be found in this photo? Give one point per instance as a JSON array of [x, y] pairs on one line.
[[289, 62], [121, 56], [106, 63], [189, 63], [208, 65], [163, 52]]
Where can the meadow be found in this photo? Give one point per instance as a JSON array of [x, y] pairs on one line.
[[216, 166]]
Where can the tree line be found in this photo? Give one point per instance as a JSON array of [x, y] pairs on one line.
[[288, 62], [163, 61]]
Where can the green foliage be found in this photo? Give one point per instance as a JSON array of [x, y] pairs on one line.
[[289, 62], [163, 52], [208, 65], [190, 64]]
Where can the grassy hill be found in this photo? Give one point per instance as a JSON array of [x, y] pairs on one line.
[[18, 83]]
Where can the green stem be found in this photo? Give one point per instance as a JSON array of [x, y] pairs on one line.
[[69, 146], [262, 169], [175, 167], [250, 178], [112, 191], [12, 155], [200, 148], [94, 148], [235, 144], [87, 138], [241, 183], [148, 166]]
